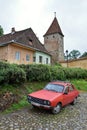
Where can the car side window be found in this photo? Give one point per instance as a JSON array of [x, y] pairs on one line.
[[71, 88], [66, 90]]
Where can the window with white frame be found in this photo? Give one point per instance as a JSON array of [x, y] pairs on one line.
[[34, 59], [46, 60], [40, 59], [17, 55], [27, 57]]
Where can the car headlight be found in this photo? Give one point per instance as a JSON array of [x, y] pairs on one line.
[[46, 102]]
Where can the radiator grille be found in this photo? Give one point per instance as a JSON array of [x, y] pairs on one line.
[[36, 100]]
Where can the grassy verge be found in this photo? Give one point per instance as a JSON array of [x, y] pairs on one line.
[[22, 92], [29, 87], [81, 85]]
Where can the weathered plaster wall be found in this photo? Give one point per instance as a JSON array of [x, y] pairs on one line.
[[79, 63]]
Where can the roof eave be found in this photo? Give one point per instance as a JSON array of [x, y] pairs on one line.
[[53, 33], [10, 42], [34, 49]]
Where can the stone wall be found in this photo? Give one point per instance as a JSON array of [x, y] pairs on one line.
[[55, 46], [78, 63]]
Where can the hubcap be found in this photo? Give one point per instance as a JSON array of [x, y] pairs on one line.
[[57, 109]]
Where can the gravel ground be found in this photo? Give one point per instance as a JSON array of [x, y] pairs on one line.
[[70, 118]]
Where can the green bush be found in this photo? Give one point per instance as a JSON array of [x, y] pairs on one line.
[[37, 72], [75, 73], [2, 76], [48, 73], [14, 74], [4, 65], [53, 72], [57, 73], [11, 73], [61, 74]]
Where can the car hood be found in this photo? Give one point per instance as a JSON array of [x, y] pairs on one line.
[[45, 94]]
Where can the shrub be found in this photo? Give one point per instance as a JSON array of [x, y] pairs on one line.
[[61, 74], [2, 76], [53, 72], [37, 72], [68, 72], [11, 73], [57, 73], [16, 75], [75, 73], [48, 73], [4, 65]]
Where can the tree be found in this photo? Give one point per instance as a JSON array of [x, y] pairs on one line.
[[1, 31], [84, 55], [74, 54]]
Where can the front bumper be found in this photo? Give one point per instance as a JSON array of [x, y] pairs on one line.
[[40, 105]]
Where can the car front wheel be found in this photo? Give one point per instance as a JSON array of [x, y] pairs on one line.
[[57, 109]]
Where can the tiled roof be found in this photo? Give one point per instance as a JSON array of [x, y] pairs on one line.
[[54, 28], [25, 37]]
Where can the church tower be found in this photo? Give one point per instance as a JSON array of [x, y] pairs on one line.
[[53, 41]]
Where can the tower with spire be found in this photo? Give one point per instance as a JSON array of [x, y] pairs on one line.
[[53, 41]]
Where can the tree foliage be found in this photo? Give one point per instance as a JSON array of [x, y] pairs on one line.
[[1, 31], [84, 55], [74, 54]]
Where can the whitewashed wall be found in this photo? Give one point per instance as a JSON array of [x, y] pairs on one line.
[[44, 56]]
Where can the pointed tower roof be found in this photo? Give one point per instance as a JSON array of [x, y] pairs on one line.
[[54, 28]]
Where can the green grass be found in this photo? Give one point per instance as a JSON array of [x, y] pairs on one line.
[[29, 87], [80, 84], [16, 106], [22, 92]]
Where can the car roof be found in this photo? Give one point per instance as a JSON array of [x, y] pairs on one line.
[[64, 83]]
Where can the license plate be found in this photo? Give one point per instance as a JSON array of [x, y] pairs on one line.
[[34, 103]]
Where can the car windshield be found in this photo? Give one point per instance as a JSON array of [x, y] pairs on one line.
[[54, 87]]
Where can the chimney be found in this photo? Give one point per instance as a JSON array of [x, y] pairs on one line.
[[13, 30]]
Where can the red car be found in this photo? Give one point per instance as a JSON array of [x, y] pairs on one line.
[[54, 96]]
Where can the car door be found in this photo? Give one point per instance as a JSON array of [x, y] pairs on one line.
[[71, 93], [66, 96]]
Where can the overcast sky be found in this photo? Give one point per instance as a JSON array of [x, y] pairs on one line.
[[39, 14]]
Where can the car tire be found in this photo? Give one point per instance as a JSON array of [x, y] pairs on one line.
[[74, 101], [57, 109]]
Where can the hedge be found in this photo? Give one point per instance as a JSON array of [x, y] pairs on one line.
[[48, 73], [37, 72], [17, 74], [11, 74]]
